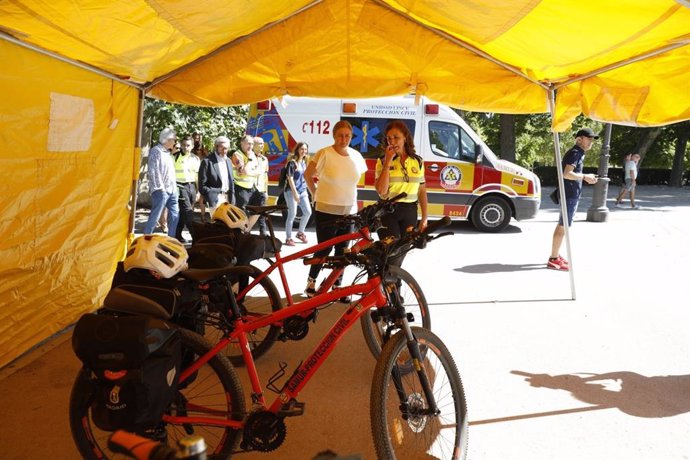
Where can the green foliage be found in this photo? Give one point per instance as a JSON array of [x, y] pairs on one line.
[[534, 140], [210, 122]]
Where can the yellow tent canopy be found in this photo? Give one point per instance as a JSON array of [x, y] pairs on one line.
[[75, 72]]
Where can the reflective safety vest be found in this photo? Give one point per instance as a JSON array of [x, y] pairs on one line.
[[186, 168], [244, 180], [403, 178]]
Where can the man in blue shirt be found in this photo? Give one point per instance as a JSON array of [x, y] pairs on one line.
[[572, 185], [162, 185]]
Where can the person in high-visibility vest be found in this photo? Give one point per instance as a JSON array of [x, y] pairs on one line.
[[401, 170], [262, 176], [245, 169], [186, 174]]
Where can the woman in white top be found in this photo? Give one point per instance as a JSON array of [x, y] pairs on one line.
[[337, 170]]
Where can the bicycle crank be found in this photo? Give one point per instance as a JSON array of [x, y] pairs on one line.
[[264, 431]]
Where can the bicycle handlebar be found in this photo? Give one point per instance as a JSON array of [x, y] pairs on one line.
[[379, 252], [140, 448], [369, 215]]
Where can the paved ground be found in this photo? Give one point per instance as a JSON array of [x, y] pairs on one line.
[[604, 376]]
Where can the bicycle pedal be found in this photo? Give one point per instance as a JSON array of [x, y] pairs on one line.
[[291, 409]]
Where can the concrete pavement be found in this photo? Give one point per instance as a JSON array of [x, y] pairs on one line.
[[600, 377]]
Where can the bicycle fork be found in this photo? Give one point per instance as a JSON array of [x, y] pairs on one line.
[[418, 367]]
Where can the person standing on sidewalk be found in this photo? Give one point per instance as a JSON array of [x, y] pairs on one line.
[[186, 175], [161, 176], [245, 169], [332, 176], [296, 193], [215, 175], [401, 170], [572, 186], [261, 179], [630, 181]]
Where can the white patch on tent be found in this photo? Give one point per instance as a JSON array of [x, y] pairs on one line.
[[71, 123]]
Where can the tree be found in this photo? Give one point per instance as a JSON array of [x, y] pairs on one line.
[[210, 122], [507, 137], [682, 134]]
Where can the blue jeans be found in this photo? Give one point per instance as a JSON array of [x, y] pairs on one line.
[[292, 211], [161, 199]]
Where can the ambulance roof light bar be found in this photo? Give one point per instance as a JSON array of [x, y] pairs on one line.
[[264, 105], [431, 109], [349, 107]]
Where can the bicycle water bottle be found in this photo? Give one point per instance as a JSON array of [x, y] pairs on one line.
[[191, 448]]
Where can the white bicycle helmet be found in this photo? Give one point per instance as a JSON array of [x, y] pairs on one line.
[[161, 254], [233, 216]]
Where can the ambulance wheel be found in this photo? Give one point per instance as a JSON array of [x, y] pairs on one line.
[[491, 214]]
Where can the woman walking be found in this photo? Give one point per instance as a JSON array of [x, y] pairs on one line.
[[296, 193]]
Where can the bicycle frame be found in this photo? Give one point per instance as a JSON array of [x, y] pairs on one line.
[[373, 296], [363, 237]]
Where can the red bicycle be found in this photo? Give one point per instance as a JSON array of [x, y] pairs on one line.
[[256, 293], [417, 402]]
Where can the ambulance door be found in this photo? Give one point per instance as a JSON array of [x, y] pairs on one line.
[[451, 168]]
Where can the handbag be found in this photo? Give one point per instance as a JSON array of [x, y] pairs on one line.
[[555, 196]]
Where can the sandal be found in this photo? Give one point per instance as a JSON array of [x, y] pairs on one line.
[[302, 237], [289, 242]]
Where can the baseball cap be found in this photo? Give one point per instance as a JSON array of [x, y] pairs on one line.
[[166, 134], [587, 132]]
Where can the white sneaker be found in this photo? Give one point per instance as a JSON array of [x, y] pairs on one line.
[[637, 206], [618, 205]]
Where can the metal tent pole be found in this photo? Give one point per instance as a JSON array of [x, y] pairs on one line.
[[564, 211]]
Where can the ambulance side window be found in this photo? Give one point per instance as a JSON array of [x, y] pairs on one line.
[[451, 142]]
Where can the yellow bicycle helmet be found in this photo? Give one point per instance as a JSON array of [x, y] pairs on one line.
[[161, 254], [233, 216]]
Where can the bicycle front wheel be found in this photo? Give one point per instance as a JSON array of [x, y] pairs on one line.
[[402, 424], [212, 392], [414, 301]]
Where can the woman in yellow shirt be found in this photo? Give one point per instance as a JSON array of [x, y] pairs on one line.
[[401, 170]]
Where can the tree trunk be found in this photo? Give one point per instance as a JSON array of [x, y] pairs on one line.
[[508, 137], [644, 143], [683, 130]]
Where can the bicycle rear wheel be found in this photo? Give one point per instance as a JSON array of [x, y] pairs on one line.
[[262, 299], [414, 301], [401, 424], [213, 391]]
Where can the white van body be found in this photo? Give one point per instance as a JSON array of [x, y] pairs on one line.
[[464, 178]]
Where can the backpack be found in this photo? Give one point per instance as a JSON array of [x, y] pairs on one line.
[[282, 182], [135, 362]]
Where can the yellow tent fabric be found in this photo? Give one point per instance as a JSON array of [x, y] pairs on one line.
[[64, 215], [70, 134]]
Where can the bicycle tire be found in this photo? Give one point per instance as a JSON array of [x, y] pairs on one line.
[[419, 436], [215, 385], [262, 299], [415, 303]]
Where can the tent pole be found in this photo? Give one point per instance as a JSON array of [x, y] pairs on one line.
[[564, 212], [136, 166]]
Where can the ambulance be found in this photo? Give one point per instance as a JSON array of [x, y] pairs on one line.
[[464, 178]]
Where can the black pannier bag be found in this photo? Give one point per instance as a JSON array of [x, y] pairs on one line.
[[246, 246], [135, 361], [178, 296]]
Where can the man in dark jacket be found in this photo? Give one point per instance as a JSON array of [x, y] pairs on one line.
[[215, 175]]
